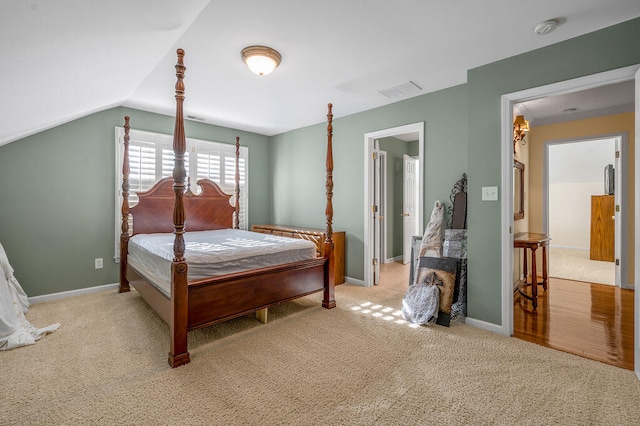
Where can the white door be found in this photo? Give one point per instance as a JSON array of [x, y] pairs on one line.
[[377, 213], [409, 205]]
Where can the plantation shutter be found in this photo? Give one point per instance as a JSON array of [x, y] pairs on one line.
[[220, 167], [208, 166], [142, 162]]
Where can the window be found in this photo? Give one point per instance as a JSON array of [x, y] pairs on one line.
[[151, 159]]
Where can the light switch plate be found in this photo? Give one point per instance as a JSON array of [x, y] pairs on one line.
[[489, 193]]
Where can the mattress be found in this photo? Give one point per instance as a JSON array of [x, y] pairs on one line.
[[213, 253]]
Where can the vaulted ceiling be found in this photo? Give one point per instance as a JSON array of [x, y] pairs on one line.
[[65, 59]]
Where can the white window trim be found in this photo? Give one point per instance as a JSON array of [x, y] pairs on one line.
[[193, 146]]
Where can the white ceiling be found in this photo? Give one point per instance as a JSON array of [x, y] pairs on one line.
[[67, 58], [604, 100]]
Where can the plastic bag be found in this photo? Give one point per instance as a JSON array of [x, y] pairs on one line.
[[420, 304]]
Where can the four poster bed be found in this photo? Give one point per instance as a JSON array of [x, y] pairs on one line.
[[191, 285]]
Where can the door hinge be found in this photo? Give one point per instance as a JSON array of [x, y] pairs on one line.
[[374, 209], [617, 207], [617, 262], [374, 155], [510, 230], [617, 154], [374, 262]]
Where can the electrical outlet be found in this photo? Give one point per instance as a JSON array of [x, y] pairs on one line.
[[489, 193], [99, 264]]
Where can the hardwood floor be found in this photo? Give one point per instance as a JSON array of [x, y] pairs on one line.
[[594, 321]]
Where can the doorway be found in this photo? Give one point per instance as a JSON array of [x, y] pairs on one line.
[[582, 311], [413, 133], [508, 101], [585, 209]]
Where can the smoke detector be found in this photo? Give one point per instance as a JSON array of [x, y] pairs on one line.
[[545, 27]]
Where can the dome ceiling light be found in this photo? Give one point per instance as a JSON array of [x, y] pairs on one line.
[[262, 60]]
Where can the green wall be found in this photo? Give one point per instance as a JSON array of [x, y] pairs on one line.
[[57, 213], [298, 164], [607, 49]]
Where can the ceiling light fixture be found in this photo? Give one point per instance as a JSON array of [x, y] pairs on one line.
[[262, 60]]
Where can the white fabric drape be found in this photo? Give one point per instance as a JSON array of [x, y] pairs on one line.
[[15, 330]]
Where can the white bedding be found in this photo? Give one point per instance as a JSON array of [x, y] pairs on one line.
[[213, 253]]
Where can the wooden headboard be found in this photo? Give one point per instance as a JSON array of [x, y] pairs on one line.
[[206, 211]]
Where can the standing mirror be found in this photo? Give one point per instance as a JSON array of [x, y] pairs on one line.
[[518, 190]]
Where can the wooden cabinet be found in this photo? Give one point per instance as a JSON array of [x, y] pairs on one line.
[[602, 242], [315, 235]]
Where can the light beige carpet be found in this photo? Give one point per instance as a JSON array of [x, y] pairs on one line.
[[356, 364], [572, 264]]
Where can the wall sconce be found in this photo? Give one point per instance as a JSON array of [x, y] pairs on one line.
[[262, 60], [520, 127]]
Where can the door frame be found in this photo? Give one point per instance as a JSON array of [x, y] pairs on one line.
[[369, 145], [507, 102], [621, 198]]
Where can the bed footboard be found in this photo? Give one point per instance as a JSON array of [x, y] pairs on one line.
[[234, 295]]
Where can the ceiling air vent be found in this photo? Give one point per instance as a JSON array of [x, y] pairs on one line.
[[405, 89], [194, 118]]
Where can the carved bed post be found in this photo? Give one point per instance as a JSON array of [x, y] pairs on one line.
[[178, 354], [124, 236], [236, 217], [328, 300]]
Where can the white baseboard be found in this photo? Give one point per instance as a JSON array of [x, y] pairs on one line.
[[568, 247], [354, 281], [71, 293], [393, 259], [484, 325]]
